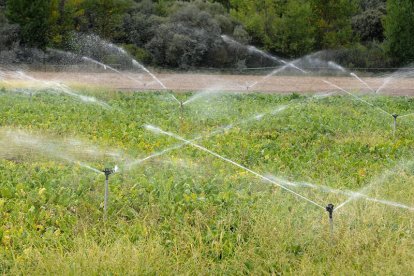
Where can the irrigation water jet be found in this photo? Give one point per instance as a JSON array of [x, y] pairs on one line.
[[363, 82], [391, 77], [336, 66], [105, 66], [139, 65], [406, 115], [219, 130], [56, 87], [350, 194], [357, 98], [160, 131], [88, 42], [394, 116], [379, 180]]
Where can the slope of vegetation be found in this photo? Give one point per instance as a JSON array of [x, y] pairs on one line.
[[188, 212]]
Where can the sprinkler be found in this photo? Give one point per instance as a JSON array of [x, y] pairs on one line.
[[181, 111], [107, 173], [330, 208], [395, 116]]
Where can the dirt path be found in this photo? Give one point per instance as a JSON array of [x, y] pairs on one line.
[[197, 82]]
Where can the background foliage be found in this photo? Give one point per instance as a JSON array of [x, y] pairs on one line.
[[186, 34]]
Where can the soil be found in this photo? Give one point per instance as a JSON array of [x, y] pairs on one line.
[[197, 82]]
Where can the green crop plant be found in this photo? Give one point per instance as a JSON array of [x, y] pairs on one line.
[[187, 212]]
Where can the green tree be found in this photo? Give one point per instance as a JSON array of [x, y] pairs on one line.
[[66, 16], [33, 17], [225, 3], [294, 35], [280, 26], [399, 30], [332, 22], [104, 17], [9, 33]]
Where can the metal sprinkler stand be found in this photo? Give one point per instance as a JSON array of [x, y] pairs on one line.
[[330, 208], [107, 173], [181, 112], [181, 106], [395, 116]]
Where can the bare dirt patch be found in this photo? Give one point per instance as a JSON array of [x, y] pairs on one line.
[[197, 82]]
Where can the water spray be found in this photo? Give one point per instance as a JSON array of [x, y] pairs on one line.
[[330, 209], [160, 131]]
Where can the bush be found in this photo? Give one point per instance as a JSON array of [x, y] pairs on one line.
[[373, 55], [368, 25], [9, 33], [140, 54]]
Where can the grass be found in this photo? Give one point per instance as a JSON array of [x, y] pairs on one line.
[[187, 212]]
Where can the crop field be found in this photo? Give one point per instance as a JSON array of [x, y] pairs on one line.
[[231, 183]]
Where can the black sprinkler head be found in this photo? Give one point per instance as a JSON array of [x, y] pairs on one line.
[[395, 116], [330, 209], [108, 172]]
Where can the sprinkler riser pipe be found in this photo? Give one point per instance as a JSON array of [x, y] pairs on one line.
[[106, 196], [330, 209], [181, 112], [395, 116], [107, 173]]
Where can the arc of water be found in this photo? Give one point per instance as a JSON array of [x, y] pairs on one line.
[[251, 48], [384, 83], [358, 98], [50, 150], [55, 86], [211, 134], [110, 68], [158, 130], [381, 180], [392, 76], [95, 38], [278, 70], [291, 64], [222, 130], [274, 72], [406, 115], [337, 66], [136, 63], [84, 98], [363, 82], [213, 90], [348, 193]]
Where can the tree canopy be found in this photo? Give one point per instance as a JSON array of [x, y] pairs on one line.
[[399, 30], [185, 34]]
